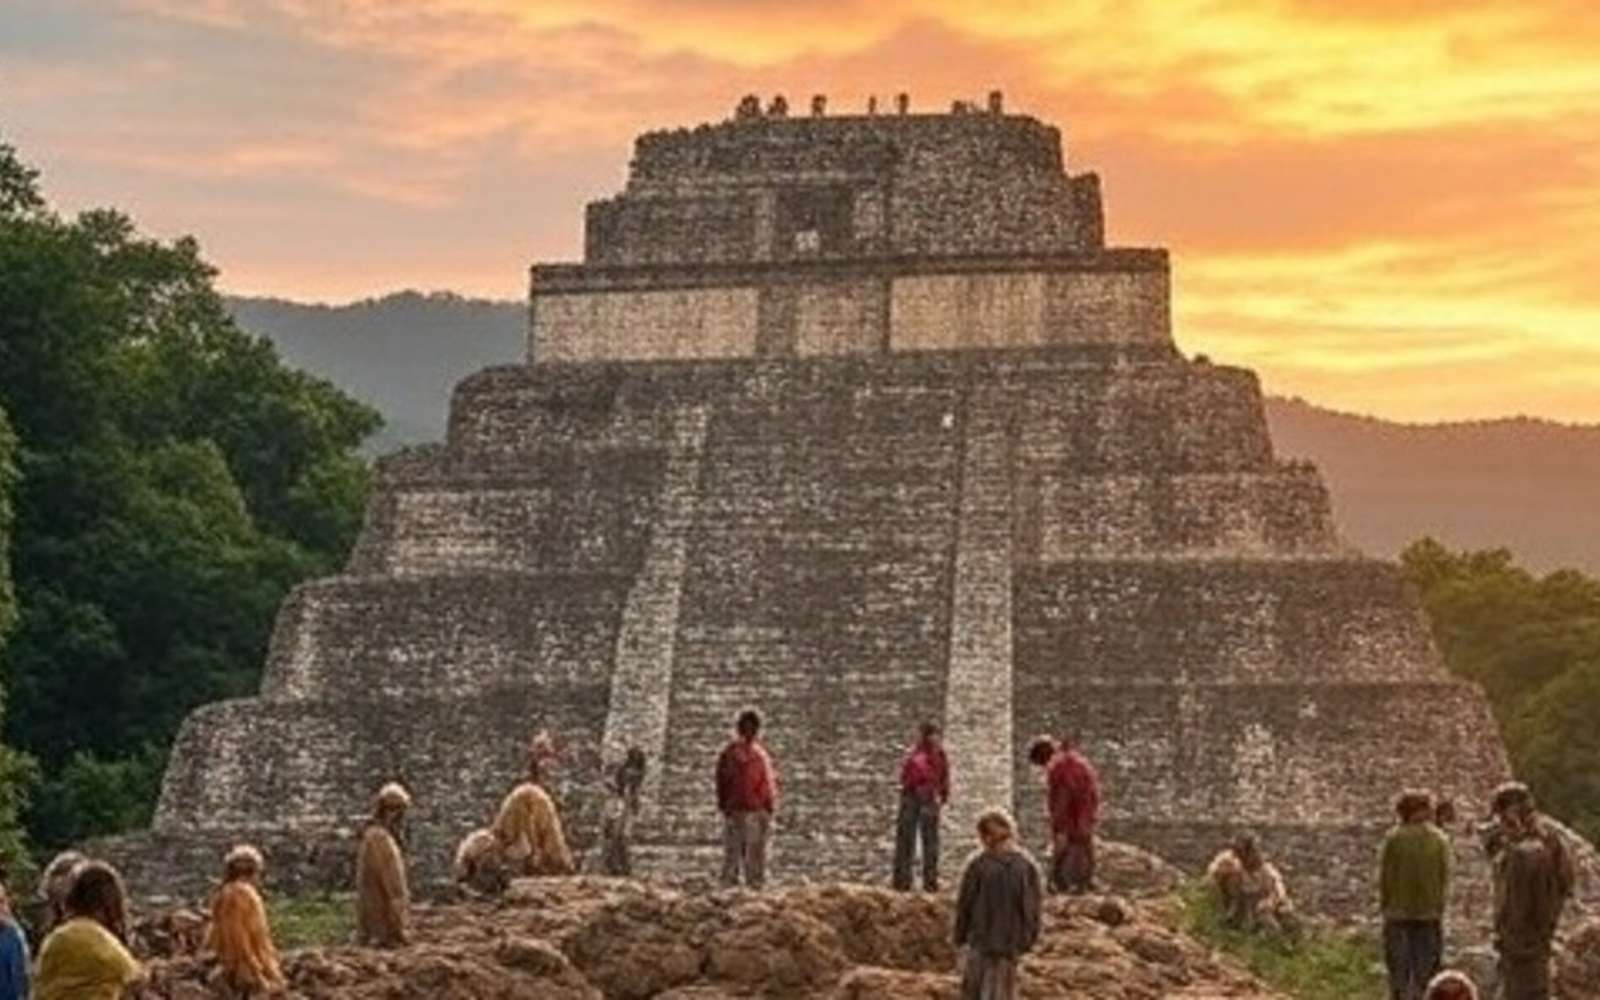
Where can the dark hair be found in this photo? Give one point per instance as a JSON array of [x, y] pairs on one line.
[[1511, 795], [1412, 802], [1444, 811], [1041, 750], [930, 729], [97, 893], [749, 722]]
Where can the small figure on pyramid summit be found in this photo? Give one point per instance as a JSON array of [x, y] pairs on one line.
[[747, 797], [749, 107], [383, 895], [819, 105], [997, 102], [779, 108], [902, 103]]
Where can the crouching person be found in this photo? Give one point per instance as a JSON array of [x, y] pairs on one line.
[[479, 868], [997, 910], [1250, 889], [240, 936]]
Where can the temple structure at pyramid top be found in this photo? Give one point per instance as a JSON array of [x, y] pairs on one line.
[[772, 235]]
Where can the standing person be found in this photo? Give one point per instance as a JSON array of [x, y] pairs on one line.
[[240, 936], [528, 828], [85, 958], [747, 795], [622, 809], [1073, 793], [1413, 886], [997, 910], [383, 898], [13, 952], [924, 791], [1533, 877]]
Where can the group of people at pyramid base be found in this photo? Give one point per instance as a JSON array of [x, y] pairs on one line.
[[998, 904]]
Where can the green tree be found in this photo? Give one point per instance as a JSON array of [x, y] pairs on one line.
[[18, 775], [1533, 643], [176, 479]]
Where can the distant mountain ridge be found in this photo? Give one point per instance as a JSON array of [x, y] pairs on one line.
[[1530, 485]]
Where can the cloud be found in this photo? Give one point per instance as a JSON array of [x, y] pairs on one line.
[[1356, 192]]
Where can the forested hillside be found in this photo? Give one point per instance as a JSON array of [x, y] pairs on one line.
[[1529, 485], [1533, 643], [402, 353], [170, 478]]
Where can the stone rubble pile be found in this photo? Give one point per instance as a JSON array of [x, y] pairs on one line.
[[602, 939]]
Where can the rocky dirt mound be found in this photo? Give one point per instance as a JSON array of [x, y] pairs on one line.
[[599, 939]]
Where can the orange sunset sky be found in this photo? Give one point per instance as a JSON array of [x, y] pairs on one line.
[[1388, 207]]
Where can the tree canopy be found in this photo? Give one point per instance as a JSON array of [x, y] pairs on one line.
[[1533, 643], [174, 480]]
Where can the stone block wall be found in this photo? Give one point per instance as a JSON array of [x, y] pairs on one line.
[[1095, 538], [583, 314]]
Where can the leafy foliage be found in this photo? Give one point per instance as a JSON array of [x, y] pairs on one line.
[[1533, 643], [176, 478], [1315, 964], [18, 772]]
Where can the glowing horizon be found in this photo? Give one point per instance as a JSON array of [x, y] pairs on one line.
[[1385, 208]]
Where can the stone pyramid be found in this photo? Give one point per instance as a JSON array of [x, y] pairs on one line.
[[855, 419]]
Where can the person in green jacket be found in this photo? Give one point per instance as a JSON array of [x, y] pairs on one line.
[[1413, 884]]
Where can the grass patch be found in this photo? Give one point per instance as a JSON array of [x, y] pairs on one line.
[[1317, 965], [312, 921]]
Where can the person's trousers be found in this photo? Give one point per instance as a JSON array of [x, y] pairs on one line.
[[1525, 977], [1072, 864], [744, 848], [918, 820], [1412, 951], [989, 977]]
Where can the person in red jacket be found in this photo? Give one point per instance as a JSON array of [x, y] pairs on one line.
[[1073, 793], [747, 795], [924, 790]]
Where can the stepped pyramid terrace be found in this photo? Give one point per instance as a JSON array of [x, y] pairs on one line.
[[857, 419]]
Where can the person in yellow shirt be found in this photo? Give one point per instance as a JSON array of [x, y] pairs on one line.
[[528, 830], [383, 898], [85, 958], [240, 936]]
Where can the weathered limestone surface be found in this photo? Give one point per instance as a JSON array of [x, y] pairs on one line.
[[739, 473]]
